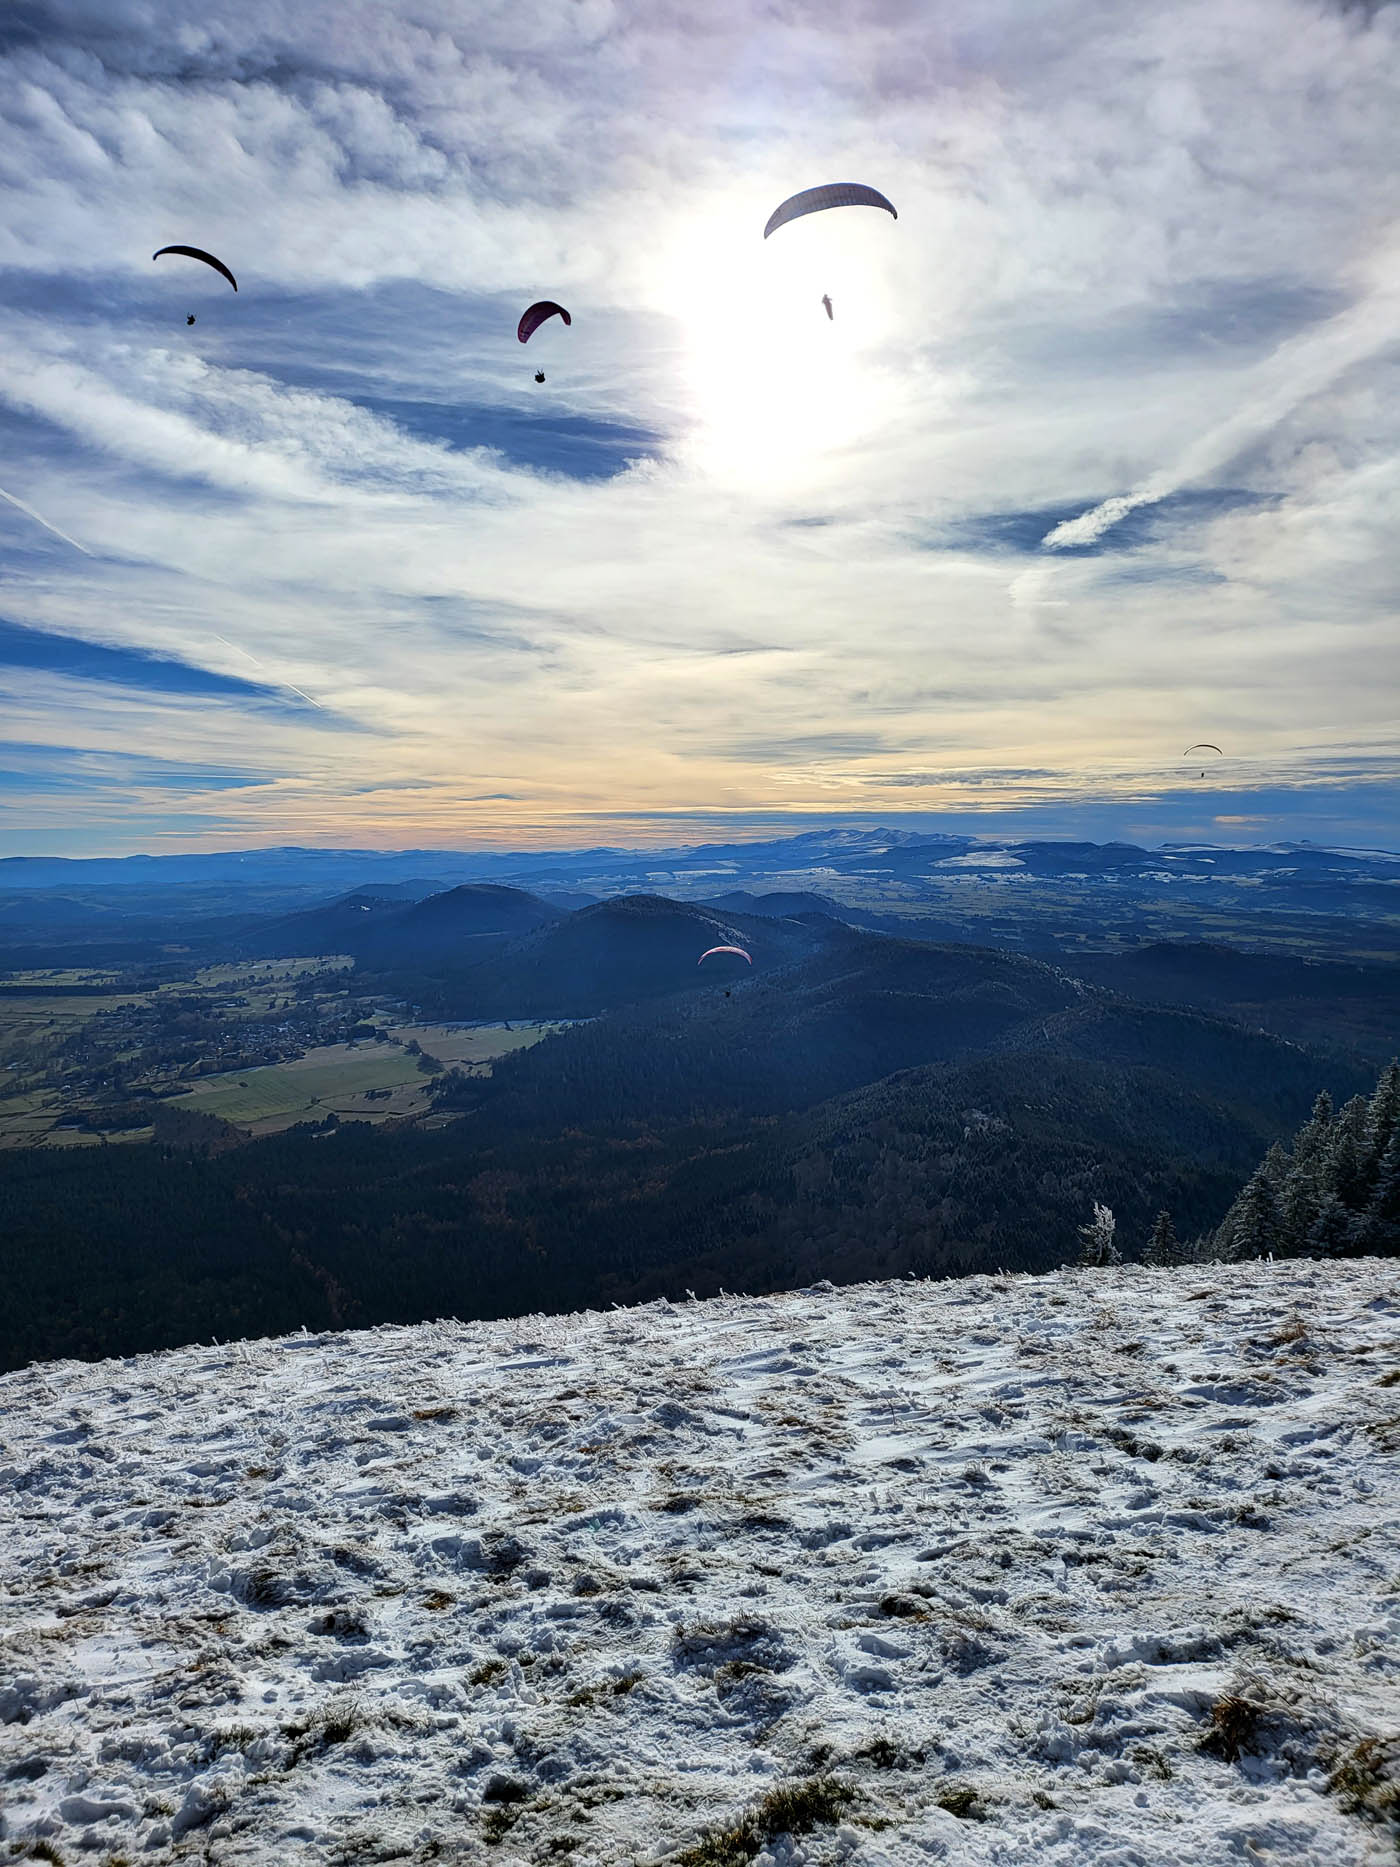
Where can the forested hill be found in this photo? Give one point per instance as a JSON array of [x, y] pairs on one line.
[[868, 1107], [863, 1006]]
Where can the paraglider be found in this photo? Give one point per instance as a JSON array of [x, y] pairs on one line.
[[831, 194], [1204, 746], [710, 952], [190, 318], [531, 320], [198, 252], [826, 300], [534, 317]]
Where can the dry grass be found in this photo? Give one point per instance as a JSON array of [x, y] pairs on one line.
[[790, 1809], [1233, 1723], [1367, 1781]]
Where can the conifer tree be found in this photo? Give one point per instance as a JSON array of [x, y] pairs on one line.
[[1337, 1194], [1275, 1168], [1378, 1233], [1255, 1228], [1163, 1247], [1311, 1138], [1384, 1110], [1346, 1166], [1096, 1246], [1329, 1235]]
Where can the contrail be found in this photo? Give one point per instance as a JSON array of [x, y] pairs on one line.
[[262, 664], [39, 519], [1298, 369], [237, 650]]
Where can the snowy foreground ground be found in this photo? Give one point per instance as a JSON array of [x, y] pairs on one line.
[[1086, 1569]]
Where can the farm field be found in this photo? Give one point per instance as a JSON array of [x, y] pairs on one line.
[[358, 1082], [467, 1044], [338, 1079]]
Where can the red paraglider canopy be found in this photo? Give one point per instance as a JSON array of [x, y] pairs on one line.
[[531, 320], [711, 951]]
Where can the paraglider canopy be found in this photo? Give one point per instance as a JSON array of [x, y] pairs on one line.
[[710, 952], [198, 252], [531, 320], [831, 194], [1204, 746]]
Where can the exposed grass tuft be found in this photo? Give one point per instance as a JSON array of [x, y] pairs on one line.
[[790, 1809], [319, 1730], [962, 1800], [1294, 1330], [607, 1688], [1233, 1723], [885, 1755], [1367, 1781]]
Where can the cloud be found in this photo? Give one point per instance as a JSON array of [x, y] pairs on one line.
[[729, 551], [1298, 370], [39, 519]]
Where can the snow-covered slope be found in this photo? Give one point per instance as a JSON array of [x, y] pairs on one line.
[[962, 1571]]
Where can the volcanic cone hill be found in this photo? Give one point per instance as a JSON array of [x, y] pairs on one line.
[[382, 932], [629, 949]]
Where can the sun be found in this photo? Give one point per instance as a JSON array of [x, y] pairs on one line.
[[776, 387]]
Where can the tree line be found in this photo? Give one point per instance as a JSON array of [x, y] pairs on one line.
[[1333, 1192]]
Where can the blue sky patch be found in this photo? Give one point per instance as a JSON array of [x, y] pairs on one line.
[[49, 653]]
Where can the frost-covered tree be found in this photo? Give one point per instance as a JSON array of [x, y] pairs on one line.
[[1377, 1234], [1254, 1220], [1337, 1192], [1384, 1111], [1164, 1248], [1329, 1235], [1348, 1162], [1096, 1246]]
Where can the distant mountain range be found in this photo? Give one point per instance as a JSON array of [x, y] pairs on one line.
[[901, 854]]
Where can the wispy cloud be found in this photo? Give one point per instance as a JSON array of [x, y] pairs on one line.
[[1297, 371], [21, 506]]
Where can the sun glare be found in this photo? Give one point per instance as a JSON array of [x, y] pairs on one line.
[[777, 386]]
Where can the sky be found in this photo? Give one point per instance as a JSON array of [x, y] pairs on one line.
[[1097, 456]]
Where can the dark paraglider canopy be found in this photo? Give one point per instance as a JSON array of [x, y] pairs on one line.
[[197, 252], [831, 194], [531, 320], [710, 952], [1204, 746]]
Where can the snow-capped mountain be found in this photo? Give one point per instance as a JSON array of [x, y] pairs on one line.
[[1095, 1569]]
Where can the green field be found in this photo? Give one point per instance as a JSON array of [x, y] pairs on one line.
[[338, 1079], [467, 1044], [331, 1080]]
